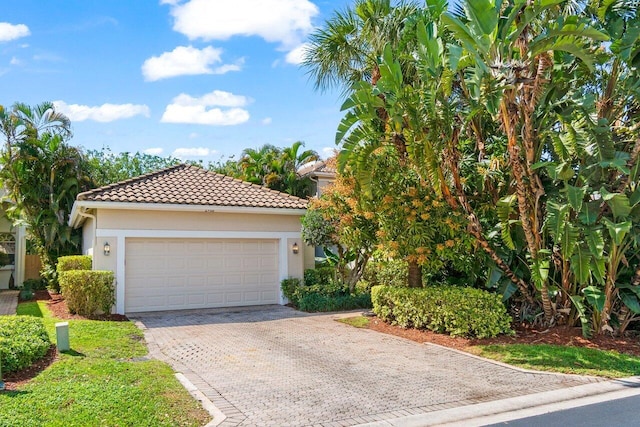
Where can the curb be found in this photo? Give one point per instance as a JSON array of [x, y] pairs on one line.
[[218, 416], [518, 407], [156, 353]]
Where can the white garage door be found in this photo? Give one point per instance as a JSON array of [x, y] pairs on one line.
[[173, 274]]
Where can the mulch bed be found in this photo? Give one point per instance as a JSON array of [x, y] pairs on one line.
[[58, 307], [14, 380], [561, 335]]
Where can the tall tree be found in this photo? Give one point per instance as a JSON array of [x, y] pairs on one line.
[[104, 167], [273, 167], [345, 53], [42, 174]]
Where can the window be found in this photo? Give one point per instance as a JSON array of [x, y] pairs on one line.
[[7, 249]]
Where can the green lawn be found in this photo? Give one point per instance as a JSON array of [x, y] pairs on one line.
[[357, 321], [545, 357], [98, 383], [565, 359]]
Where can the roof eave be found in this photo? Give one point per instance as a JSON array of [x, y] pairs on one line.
[[76, 220]]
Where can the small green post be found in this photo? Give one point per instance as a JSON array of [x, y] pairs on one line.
[[62, 336]]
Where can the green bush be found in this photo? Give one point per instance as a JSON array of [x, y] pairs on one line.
[[323, 297], [319, 276], [34, 284], [73, 262], [445, 309], [328, 290], [390, 272], [289, 287], [23, 340], [87, 292], [317, 302]]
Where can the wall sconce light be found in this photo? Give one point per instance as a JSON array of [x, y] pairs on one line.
[[295, 249], [107, 248]]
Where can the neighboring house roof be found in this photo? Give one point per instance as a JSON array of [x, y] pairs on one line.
[[317, 168], [187, 186]]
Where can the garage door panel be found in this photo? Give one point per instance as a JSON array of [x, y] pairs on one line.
[[233, 298], [215, 299], [168, 274]]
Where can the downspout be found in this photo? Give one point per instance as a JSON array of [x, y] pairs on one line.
[[95, 238]]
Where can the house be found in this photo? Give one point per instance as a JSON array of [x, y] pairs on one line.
[[13, 244], [321, 173], [186, 238]]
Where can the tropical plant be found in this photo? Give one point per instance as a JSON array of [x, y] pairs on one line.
[[340, 219], [520, 115], [105, 167], [273, 167], [42, 174]]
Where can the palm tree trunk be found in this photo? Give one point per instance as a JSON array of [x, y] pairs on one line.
[[475, 227]]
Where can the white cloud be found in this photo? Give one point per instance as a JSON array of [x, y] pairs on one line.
[[15, 61], [102, 113], [266, 121], [281, 21], [217, 98], [11, 32], [328, 152], [296, 56], [186, 60], [48, 57], [193, 135], [154, 151], [187, 109], [183, 153]]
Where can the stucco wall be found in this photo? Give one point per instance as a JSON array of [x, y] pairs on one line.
[[210, 221], [5, 224], [322, 183], [88, 236], [128, 222]]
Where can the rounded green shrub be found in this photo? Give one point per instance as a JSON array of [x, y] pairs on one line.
[[289, 287], [73, 262], [455, 310], [23, 340], [88, 292], [319, 276]]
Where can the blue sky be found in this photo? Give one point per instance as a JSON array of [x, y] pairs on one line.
[[196, 79]]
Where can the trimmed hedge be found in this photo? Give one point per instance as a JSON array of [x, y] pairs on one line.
[[319, 276], [313, 302], [323, 297], [289, 287], [454, 310], [88, 291], [73, 262], [23, 340]]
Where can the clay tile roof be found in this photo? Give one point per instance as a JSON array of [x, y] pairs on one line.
[[191, 185], [317, 166]]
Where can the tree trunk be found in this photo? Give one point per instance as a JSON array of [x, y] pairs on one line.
[[415, 275], [475, 228]]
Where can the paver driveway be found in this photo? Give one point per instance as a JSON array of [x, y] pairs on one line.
[[275, 366]]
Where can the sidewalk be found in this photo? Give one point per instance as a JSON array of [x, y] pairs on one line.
[[8, 302]]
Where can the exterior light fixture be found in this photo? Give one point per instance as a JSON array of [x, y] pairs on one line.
[[107, 248], [295, 249]]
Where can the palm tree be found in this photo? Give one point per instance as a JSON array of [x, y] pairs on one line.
[[291, 159], [43, 175], [347, 48]]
